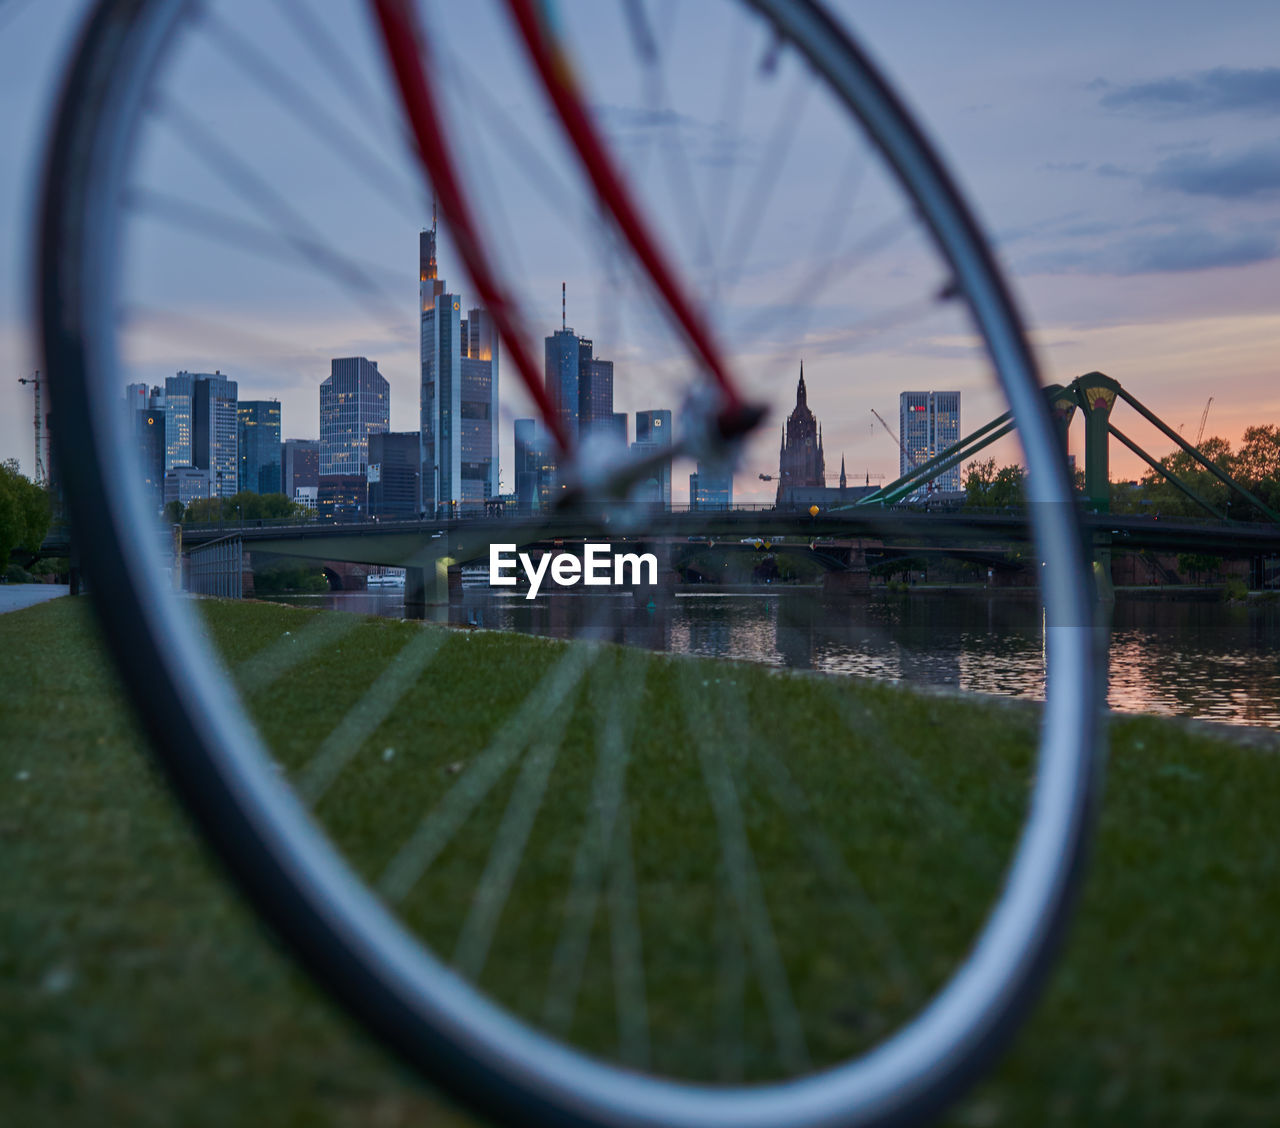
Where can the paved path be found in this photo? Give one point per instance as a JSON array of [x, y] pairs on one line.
[[16, 596]]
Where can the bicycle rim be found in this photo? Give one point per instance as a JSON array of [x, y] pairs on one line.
[[339, 929]]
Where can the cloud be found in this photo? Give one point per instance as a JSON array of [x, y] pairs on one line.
[[1195, 250], [1253, 172], [1064, 166], [706, 143], [1174, 250], [1223, 89], [1109, 169]]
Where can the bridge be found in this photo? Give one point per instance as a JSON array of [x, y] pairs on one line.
[[883, 524], [427, 550]]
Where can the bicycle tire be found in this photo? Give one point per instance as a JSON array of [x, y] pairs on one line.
[[334, 926]]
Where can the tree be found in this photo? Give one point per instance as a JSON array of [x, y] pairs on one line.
[[1198, 563], [986, 487], [1159, 495], [173, 512], [24, 512], [246, 506], [203, 511], [1257, 464]]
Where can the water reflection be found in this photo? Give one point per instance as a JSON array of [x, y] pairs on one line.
[[1178, 657]]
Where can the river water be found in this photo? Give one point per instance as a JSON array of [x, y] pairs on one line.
[[1186, 657]]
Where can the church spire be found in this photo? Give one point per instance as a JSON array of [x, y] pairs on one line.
[[843, 480], [802, 397]]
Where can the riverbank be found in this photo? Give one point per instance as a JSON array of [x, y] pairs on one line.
[[14, 597], [137, 990]]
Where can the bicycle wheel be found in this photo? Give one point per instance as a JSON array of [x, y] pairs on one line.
[[402, 820]]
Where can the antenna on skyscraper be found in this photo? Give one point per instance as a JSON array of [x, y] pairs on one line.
[[564, 320], [433, 215]]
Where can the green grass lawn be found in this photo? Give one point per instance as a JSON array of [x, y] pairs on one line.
[[134, 988]]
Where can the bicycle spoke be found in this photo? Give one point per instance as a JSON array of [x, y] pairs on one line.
[[772, 161], [262, 670], [364, 718], [268, 242], [494, 887], [748, 892], [333, 60], [627, 948], [274, 209], [346, 145], [414, 858], [615, 720], [731, 982]]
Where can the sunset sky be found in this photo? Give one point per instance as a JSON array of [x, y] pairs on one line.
[[1124, 158]]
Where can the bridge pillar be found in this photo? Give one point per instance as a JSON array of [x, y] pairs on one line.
[[1102, 579], [847, 582], [1063, 409], [1098, 402], [415, 593], [73, 568], [855, 576]]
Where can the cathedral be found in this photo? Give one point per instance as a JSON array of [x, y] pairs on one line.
[[800, 462], [802, 469]]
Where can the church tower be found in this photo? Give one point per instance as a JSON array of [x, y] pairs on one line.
[[801, 461]]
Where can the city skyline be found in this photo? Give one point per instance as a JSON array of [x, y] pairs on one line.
[[1136, 227]]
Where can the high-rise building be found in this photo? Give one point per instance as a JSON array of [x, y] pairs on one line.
[[395, 462], [148, 435], [177, 420], [137, 397], [185, 484], [478, 408], [458, 397], [619, 427], [214, 430], [653, 434], [801, 461], [258, 439], [595, 393], [561, 372], [535, 465], [929, 423], [711, 488], [145, 416], [355, 402], [299, 466]]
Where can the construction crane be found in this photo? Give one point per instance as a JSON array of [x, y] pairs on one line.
[[1204, 418], [35, 380], [894, 437]]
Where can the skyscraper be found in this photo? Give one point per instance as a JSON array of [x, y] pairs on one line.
[[801, 461], [355, 402], [258, 439], [595, 392], [929, 423], [214, 430], [619, 427], [535, 465], [478, 409], [395, 461], [148, 437], [562, 356], [177, 420], [653, 434], [458, 396], [299, 465], [711, 488]]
